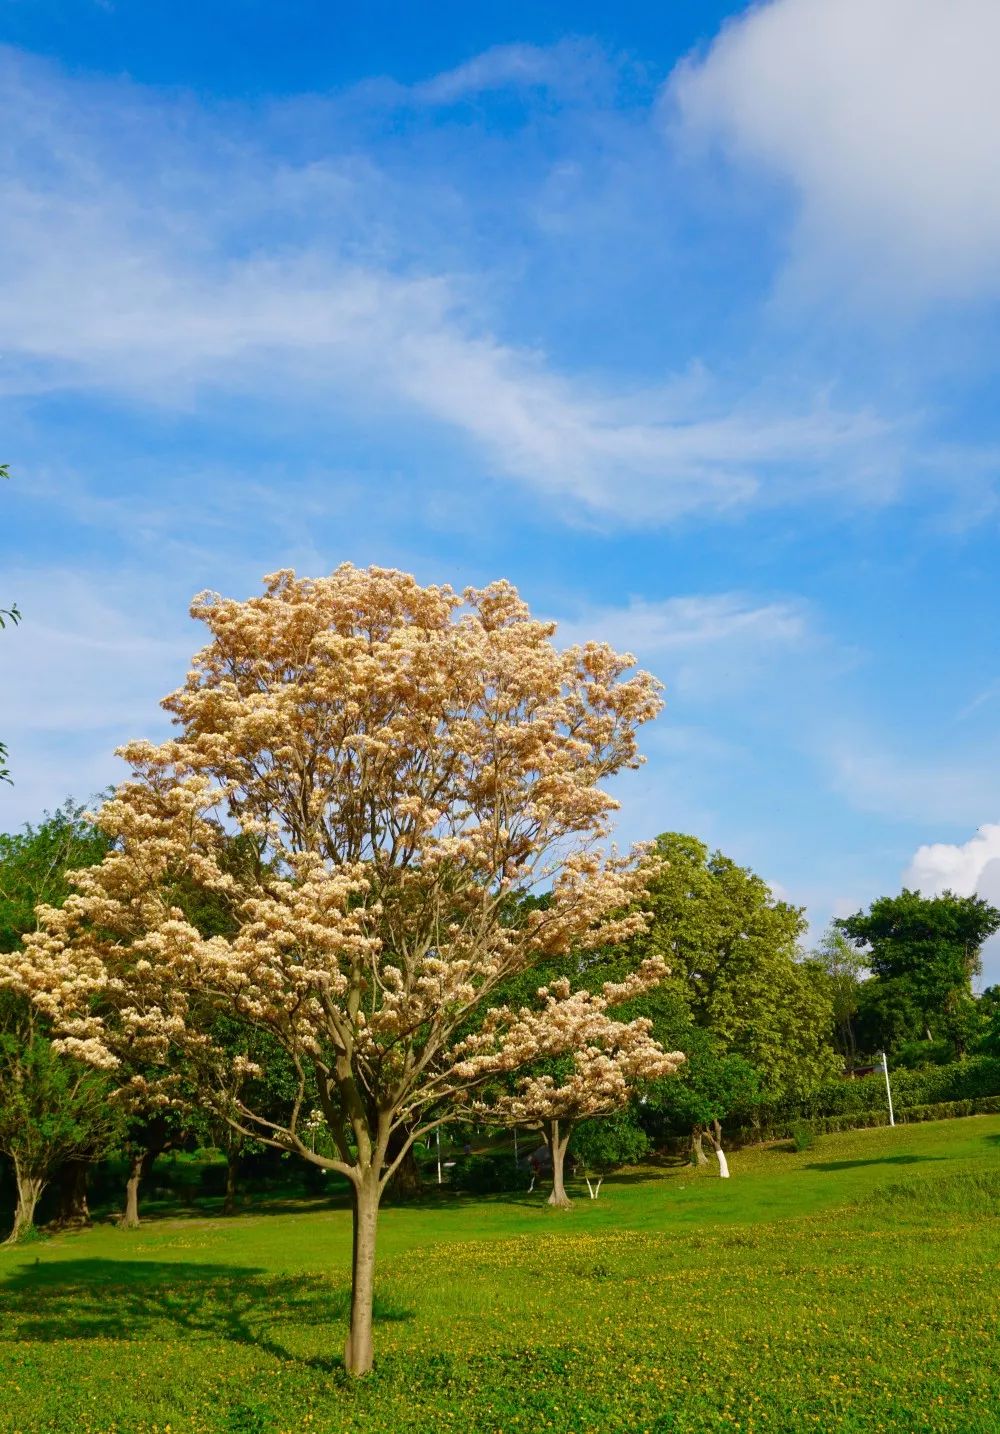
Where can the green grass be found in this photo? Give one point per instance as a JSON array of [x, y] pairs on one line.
[[848, 1287]]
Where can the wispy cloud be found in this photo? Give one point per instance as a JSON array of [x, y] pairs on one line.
[[569, 67], [164, 283], [701, 644], [929, 790]]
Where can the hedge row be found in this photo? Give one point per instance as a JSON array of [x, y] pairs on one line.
[[908, 1115], [977, 1078]]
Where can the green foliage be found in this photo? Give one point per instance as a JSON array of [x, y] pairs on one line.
[[844, 968], [52, 1108], [712, 1085], [490, 1174], [803, 1135], [620, 1139], [975, 1078], [923, 953], [34, 866], [733, 947], [909, 1114]]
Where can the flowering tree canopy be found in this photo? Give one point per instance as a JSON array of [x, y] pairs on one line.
[[406, 762]]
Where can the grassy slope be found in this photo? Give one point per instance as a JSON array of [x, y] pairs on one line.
[[849, 1287]]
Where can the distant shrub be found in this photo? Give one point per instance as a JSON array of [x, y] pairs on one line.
[[488, 1174], [803, 1135]]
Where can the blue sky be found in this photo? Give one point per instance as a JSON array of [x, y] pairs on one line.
[[683, 318]]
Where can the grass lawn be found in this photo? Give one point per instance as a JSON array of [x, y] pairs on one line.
[[850, 1287]]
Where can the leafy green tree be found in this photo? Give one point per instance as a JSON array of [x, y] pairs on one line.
[[845, 968], [923, 951], [52, 1108], [604, 1145], [711, 1086], [989, 1021], [733, 952], [35, 864], [44, 1120]]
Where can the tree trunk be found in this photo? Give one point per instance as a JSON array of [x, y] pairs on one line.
[[358, 1348], [232, 1176], [697, 1149], [557, 1149], [73, 1209], [29, 1189], [715, 1136], [131, 1212]]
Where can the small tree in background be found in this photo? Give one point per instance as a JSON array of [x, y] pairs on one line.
[[712, 1085], [53, 1109], [604, 1145], [406, 763], [923, 953], [606, 1061], [844, 966]]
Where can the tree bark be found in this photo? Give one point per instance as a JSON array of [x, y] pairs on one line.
[[697, 1149], [232, 1178], [715, 1136], [29, 1189], [358, 1350], [557, 1149], [74, 1212], [130, 1215]]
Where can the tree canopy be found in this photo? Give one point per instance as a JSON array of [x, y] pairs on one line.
[[406, 761], [733, 952], [923, 952]]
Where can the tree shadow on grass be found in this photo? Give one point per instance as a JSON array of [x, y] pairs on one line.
[[876, 1160], [129, 1299]]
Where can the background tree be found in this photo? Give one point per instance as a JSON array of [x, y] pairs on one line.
[[604, 1145], [607, 1061], [34, 868], [845, 968], [711, 1086], [407, 762], [989, 1021], [52, 1108], [923, 952], [732, 949]]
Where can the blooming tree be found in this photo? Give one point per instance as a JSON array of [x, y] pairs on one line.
[[605, 1061], [406, 762]]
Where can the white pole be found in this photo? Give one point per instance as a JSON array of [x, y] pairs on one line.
[[888, 1088], [439, 1153], [515, 1144]]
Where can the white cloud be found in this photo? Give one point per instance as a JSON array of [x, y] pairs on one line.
[[568, 67], [883, 115], [911, 788], [91, 653], [969, 868], [701, 645], [162, 280]]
